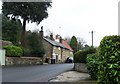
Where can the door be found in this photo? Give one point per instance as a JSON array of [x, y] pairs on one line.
[[56, 58]]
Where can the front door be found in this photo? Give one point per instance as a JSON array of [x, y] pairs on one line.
[[56, 58]]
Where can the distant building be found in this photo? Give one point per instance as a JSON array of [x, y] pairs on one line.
[[57, 50]]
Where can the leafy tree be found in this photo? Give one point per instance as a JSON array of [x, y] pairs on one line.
[[35, 44], [28, 11], [11, 30], [74, 44], [109, 60]]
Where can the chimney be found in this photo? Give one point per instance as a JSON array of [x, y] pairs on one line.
[[57, 36], [60, 40], [41, 32], [51, 36]]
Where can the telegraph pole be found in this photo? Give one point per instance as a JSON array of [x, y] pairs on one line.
[[92, 36]]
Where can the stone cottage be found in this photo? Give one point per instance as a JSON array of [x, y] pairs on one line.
[[55, 51]]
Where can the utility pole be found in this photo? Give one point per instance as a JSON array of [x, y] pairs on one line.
[[92, 36]]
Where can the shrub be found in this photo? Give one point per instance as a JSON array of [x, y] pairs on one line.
[[80, 56], [92, 65], [13, 51], [109, 65]]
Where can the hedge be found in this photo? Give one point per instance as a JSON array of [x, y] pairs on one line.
[[109, 61], [13, 51], [92, 65], [80, 56]]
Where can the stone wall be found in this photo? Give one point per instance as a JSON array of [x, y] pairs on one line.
[[80, 67], [5, 43], [23, 60], [48, 51]]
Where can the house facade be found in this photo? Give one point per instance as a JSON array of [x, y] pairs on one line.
[[53, 51], [68, 52]]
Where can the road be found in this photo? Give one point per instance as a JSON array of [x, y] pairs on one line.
[[36, 73]]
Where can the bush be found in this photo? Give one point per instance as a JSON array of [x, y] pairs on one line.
[[109, 65], [80, 56], [13, 51], [92, 65]]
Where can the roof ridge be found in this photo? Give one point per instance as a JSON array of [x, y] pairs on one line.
[[55, 43]]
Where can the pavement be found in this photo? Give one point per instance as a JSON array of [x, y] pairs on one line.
[[71, 76]]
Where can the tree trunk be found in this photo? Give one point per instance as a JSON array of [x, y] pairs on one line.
[[23, 34]]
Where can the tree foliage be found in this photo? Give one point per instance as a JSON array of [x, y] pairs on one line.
[[74, 44], [35, 12], [28, 11], [109, 60], [11, 30], [13, 51], [92, 65], [35, 44], [80, 56]]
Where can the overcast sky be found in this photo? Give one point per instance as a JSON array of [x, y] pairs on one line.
[[79, 17]]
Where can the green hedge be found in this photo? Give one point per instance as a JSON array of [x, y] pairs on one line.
[[92, 65], [109, 61], [80, 56], [13, 51]]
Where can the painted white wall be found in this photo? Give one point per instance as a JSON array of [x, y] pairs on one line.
[[2, 57], [59, 57]]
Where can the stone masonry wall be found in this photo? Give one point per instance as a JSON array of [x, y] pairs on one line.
[[22, 60], [80, 67]]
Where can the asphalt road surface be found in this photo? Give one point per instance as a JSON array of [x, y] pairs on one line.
[[36, 73]]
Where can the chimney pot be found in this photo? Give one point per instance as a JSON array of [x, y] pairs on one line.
[[41, 32], [51, 36], [60, 39], [41, 28]]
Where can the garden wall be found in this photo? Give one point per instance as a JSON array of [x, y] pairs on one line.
[[22, 60], [80, 67]]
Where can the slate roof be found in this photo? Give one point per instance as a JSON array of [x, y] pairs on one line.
[[54, 43]]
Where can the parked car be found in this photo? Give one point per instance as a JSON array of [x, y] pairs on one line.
[[69, 60]]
